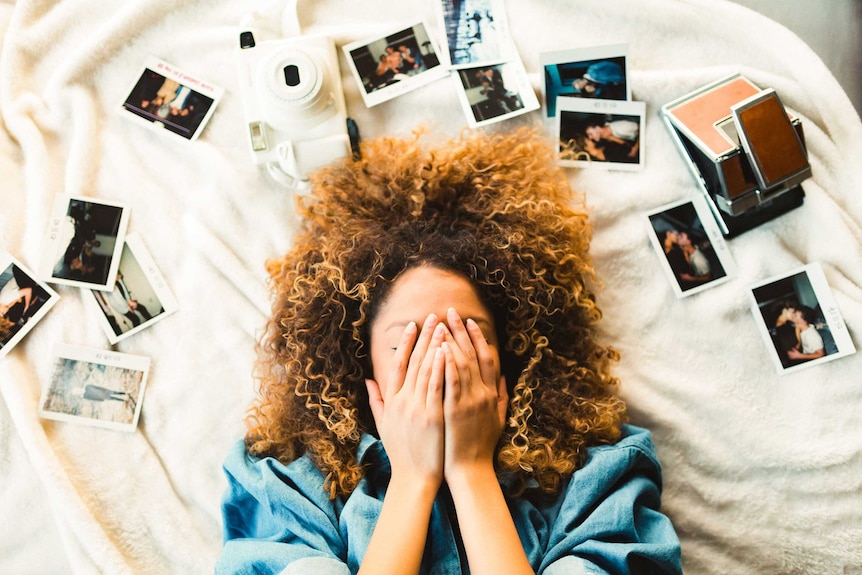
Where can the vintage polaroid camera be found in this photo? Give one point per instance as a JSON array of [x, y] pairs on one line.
[[746, 152], [294, 105]]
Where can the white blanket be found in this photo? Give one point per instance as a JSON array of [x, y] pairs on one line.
[[763, 472]]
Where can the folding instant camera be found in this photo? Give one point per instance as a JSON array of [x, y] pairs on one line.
[[745, 151]]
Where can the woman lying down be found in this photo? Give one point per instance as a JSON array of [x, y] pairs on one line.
[[432, 395]]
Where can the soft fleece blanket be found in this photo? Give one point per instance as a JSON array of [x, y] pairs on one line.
[[763, 472]]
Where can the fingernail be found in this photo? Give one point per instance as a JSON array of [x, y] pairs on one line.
[[430, 320], [471, 323], [444, 347], [410, 327]]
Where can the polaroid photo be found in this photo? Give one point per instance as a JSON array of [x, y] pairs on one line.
[[689, 244], [598, 72], [602, 133], [166, 99], [395, 63], [799, 320], [85, 240], [491, 94], [95, 387], [140, 297], [24, 301], [477, 33]]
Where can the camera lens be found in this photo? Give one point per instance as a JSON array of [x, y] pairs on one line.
[[291, 75]]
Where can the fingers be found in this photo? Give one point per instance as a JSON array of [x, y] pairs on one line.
[[427, 372], [473, 352], [400, 361]]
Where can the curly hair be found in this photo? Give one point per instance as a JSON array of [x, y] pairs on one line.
[[493, 207]]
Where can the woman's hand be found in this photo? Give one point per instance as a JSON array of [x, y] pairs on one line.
[[408, 410], [474, 409], [475, 399]]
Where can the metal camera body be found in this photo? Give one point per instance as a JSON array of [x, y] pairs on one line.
[[293, 104]]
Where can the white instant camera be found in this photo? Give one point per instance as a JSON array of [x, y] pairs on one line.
[[294, 105]]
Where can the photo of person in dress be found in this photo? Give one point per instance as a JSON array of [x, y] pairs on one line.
[[795, 320], [21, 298], [686, 247]]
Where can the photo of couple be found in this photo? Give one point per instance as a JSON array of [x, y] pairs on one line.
[[686, 247], [795, 320]]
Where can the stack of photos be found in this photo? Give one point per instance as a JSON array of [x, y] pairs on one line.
[[95, 387], [589, 107], [491, 81], [87, 247], [24, 301], [799, 319], [690, 246]]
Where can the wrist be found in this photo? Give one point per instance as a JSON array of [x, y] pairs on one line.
[[475, 475]]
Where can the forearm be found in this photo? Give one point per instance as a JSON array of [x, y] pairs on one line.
[[490, 538], [398, 541]]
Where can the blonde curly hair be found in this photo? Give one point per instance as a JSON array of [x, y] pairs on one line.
[[493, 207]]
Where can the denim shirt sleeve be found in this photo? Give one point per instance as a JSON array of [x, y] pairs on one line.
[[278, 519], [609, 520]]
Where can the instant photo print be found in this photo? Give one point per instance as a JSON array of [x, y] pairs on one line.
[[85, 239], [24, 301], [477, 33], [595, 72], [606, 134], [799, 319], [490, 94], [140, 297], [167, 99], [745, 151], [393, 64], [690, 246], [95, 387]]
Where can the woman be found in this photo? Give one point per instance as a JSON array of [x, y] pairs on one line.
[[432, 394]]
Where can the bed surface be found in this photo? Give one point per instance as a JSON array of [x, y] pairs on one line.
[[762, 471]]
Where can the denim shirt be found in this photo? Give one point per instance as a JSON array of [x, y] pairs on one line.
[[604, 520]]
